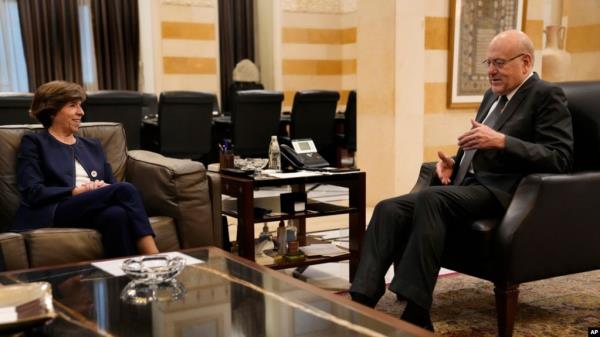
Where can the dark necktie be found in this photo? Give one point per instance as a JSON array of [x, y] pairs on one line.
[[468, 155]]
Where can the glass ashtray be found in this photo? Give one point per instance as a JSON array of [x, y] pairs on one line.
[[141, 294], [153, 269]]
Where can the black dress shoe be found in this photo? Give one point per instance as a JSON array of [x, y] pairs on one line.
[[363, 299], [417, 315]]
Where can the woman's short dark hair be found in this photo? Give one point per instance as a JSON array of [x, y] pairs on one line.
[[50, 97]]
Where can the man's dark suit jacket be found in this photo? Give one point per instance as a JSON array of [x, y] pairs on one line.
[[539, 138], [46, 175]]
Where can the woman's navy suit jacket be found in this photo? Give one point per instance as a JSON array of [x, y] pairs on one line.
[[46, 175]]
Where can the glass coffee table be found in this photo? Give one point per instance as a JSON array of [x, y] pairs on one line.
[[224, 296]]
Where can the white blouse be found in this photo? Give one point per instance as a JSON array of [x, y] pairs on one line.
[[81, 176]]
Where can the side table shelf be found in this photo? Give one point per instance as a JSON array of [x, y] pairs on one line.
[[242, 207]]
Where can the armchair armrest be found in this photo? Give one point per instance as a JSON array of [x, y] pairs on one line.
[[427, 177], [551, 227], [181, 189]]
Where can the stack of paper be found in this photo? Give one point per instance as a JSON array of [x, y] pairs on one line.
[[322, 249]]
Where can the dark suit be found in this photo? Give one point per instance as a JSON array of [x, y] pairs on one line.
[[46, 179], [411, 229]]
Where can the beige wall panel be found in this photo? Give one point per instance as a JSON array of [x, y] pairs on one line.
[[318, 35], [189, 65], [319, 67], [313, 51], [187, 13], [430, 152], [439, 8], [536, 9], [582, 12], [312, 20], [349, 82], [583, 38], [585, 67], [436, 33], [435, 97], [188, 30], [436, 69], [444, 128], [329, 82], [348, 20], [190, 48], [208, 83], [535, 30]]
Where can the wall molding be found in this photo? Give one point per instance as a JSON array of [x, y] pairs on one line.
[[320, 6], [190, 3]]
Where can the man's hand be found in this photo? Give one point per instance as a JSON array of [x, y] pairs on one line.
[[481, 137], [444, 168], [92, 185]]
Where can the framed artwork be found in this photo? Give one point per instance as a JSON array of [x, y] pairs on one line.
[[473, 23]]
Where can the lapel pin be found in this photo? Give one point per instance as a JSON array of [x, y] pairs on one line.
[[94, 174]]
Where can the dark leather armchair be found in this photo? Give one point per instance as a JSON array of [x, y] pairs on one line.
[[185, 122], [182, 199], [551, 225], [313, 116], [120, 106], [14, 108], [255, 116]]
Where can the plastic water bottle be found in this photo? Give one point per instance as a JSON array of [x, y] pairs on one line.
[[274, 154]]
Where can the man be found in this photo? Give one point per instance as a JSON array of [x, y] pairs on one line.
[[522, 126]]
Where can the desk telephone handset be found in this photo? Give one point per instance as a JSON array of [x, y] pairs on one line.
[[304, 155]]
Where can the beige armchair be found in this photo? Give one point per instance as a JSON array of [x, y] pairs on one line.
[[182, 199]]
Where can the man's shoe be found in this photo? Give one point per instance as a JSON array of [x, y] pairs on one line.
[[363, 299], [417, 315]]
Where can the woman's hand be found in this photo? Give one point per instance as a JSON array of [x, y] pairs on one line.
[[86, 187]]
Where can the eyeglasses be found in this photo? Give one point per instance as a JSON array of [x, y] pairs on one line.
[[500, 63]]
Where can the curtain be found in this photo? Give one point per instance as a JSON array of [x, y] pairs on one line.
[[50, 30], [236, 40], [13, 70], [117, 43]]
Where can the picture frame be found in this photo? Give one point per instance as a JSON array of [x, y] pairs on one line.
[[473, 23]]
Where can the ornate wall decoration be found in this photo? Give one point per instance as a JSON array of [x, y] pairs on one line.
[[473, 24]]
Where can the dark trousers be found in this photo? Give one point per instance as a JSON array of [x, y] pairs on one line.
[[116, 211], [411, 229]]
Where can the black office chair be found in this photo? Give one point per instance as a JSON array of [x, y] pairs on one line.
[[185, 121], [235, 87], [14, 109], [255, 117], [313, 116], [125, 107]]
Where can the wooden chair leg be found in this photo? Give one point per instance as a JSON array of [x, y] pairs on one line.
[[506, 307]]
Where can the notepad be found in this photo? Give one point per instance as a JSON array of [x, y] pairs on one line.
[[322, 249]]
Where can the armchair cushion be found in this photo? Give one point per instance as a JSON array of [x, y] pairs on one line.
[[76, 244], [13, 251]]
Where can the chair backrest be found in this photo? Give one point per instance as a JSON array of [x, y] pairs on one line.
[[583, 99], [350, 121], [185, 121], [255, 115], [14, 109], [235, 87], [313, 116], [123, 107], [111, 135], [149, 105]]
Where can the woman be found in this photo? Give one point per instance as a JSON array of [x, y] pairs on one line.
[[65, 180]]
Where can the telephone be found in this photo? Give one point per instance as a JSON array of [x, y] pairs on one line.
[[304, 155]]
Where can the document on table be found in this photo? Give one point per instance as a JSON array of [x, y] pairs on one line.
[[113, 267], [322, 249], [297, 174]]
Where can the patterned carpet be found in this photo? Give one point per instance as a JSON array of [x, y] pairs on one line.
[[464, 306]]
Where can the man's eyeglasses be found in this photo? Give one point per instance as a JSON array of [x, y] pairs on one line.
[[499, 63]]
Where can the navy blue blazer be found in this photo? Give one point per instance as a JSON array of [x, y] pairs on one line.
[[46, 175]]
